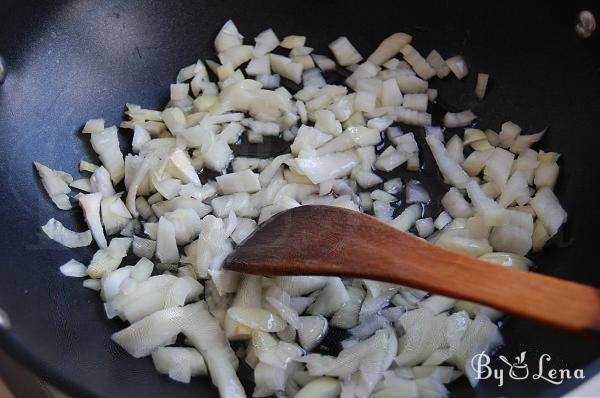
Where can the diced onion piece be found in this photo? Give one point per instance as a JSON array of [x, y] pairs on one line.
[[330, 299], [327, 167], [90, 203], [344, 52], [321, 387], [93, 126], [236, 55], [438, 64], [389, 47], [407, 218], [498, 167], [508, 134], [425, 227], [179, 363], [311, 331], [74, 269], [482, 81], [324, 63], [59, 233], [523, 142], [456, 205], [416, 193], [87, 166], [92, 284], [242, 181], [106, 145], [56, 185], [458, 66], [391, 95], [364, 101], [442, 220], [266, 42], [293, 41], [109, 259], [284, 67], [418, 63], [417, 102], [257, 318], [449, 168], [228, 37], [548, 209], [460, 119]]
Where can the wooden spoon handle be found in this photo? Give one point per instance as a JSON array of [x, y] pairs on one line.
[[308, 242]]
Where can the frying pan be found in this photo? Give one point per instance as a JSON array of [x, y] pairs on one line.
[[69, 61]]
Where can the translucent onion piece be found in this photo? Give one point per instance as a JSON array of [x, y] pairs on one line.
[[109, 259], [322, 387], [458, 66], [480, 87], [311, 331], [106, 145], [90, 203], [460, 119], [389, 47], [74, 269], [56, 185], [257, 318], [179, 363], [449, 168], [344, 52], [548, 209], [439, 65], [330, 299], [228, 37], [59, 233]]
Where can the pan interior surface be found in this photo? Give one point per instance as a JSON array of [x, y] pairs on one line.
[[70, 61]]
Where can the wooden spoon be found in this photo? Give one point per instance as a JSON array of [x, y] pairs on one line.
[[323, 240]]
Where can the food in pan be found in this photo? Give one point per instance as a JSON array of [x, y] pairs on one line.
[[183, 199]]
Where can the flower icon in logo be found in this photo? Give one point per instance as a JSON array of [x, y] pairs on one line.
[[519, 369]]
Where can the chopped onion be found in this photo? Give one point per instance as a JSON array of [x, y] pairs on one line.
[[335, 130], [179, 363], [456, 205], [311, 331], [548, 209], [458, 66], [425, 227], [74, 269], [442, 220], [482, 81], [90, 203], [344, 52], [293, 41], [228, 37], [460, 119], [330, 299], [508, 134], [407, 218], [257, 318], [450, 169], [56, 184], [321, 387], [416, 193], [438, 64], [389, 47], [59, 233], [418, 63], [106, 145], [266, 42]]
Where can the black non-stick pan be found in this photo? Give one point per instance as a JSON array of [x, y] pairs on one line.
[[69, 61]]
